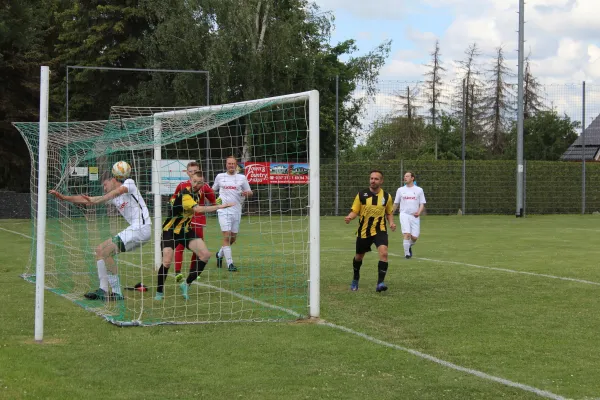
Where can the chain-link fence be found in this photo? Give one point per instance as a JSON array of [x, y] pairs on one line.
[[467, 164]]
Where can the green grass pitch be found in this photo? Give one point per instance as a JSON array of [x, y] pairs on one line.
[[515, 299]]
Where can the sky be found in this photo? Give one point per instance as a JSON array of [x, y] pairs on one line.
[[562, 40], [562, 36]]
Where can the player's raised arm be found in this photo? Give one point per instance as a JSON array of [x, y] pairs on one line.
[[109, 196], [77, 199], [204, 209]]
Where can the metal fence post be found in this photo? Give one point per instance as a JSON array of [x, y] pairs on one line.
[[337, 147], [464, 151], [583, 150]]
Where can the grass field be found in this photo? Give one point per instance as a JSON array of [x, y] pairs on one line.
[[490, 307]]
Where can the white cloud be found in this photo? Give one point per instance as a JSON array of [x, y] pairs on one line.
[[562, 36]]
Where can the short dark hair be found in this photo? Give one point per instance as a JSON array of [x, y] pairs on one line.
[[376, 170], [199, 174], [411, 174]]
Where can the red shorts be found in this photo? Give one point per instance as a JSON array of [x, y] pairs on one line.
[[198, 229]]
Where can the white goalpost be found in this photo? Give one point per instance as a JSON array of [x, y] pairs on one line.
[[276, 141]]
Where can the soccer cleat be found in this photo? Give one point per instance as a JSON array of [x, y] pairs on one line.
[[159, 296], [354, 285], [231, 268], [115, 297], [184, 290], [408, 256], [179, 278], [99, 294], [381, 287], [219, 260]]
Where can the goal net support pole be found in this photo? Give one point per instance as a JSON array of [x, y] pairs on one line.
[[41, 205]]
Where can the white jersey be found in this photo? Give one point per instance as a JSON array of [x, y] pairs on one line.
[[230, 188], [132, 206], [409, 198]]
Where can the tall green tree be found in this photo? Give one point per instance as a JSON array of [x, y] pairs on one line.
[[104, 33], [546, 136], [25, 32]]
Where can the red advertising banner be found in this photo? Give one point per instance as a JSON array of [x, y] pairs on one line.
[[265, 173]]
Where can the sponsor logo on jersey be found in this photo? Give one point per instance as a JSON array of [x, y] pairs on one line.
[[123, 205]]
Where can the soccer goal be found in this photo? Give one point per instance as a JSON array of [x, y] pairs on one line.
[[276, 143]]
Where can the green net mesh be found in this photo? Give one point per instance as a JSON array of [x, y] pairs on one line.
[[271, 251]]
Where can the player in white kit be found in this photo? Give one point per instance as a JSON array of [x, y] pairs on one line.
[[126, 197], [411, 200], [232, 188]]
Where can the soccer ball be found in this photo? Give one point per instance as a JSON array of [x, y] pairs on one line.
[[121, 170]]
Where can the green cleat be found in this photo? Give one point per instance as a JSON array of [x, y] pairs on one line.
[[159, 296], [184, 290], [179, 278]]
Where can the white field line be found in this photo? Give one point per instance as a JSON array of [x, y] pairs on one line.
[[447, 364], [512, 271]]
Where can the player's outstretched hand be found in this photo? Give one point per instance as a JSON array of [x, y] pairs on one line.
[[57, 194]]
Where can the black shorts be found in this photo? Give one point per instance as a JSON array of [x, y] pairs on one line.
[[363, 245], [170, 239]]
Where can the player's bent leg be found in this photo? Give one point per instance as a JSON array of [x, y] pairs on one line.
[[179, 257], [199, 248]]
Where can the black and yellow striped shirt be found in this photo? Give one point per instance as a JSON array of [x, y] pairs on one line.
[[372, 209], [181, 211]]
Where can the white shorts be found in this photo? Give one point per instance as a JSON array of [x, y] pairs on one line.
[[230, 221], [410, 224], [135, 236]]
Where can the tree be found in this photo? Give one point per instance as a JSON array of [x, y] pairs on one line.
[[546, 136], [532, 101], [26, 29], [434, 85], [408, 102], [469, 81], [394, 138], [499, 104], [448, 133], [99, 33]]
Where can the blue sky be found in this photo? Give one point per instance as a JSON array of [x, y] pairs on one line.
[[563, 36]]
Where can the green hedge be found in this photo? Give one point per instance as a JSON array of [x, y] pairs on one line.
[[550, 187]]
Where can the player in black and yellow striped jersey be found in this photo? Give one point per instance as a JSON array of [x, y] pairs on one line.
[[374, 208], [176, 229]]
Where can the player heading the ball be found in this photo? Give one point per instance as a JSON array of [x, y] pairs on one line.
[[123, 194]]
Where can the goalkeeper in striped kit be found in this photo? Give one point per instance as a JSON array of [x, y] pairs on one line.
[[234, 188], [177, 230], [124, 195], [198, 220]]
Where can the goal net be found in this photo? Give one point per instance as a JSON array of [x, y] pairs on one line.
[[276, 252]]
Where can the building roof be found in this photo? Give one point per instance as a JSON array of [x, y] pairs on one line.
[[592, 144]]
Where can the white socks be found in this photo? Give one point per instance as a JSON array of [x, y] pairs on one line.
[[407, 244], [227, 252], [102, 275], [115, 284], [106, 278]]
